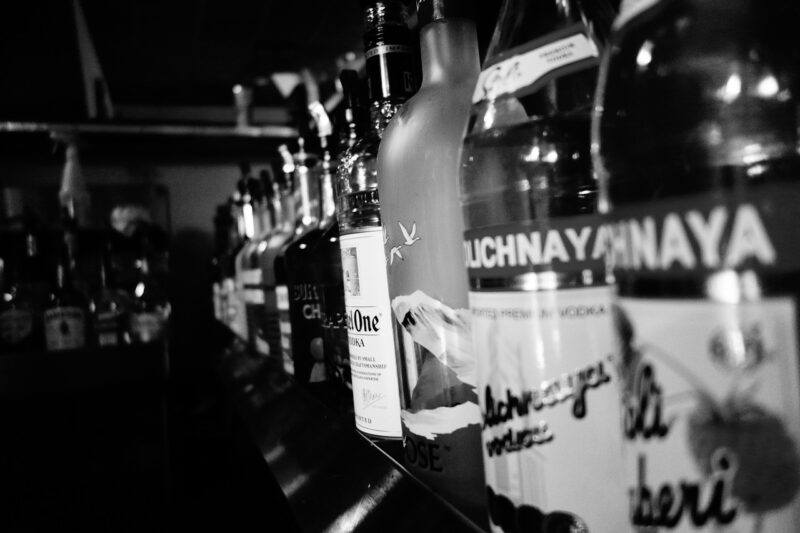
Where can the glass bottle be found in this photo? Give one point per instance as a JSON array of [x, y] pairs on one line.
[[539, 296], [418, 182], [279, 262], [247, 223], [304, 305], [373, 362], [248, 265], [22, 299], [695, 135], [65, 315], [327, 252], [150, 308], [109, 309]]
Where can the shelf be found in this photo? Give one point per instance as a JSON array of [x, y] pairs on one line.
[[334, 478], [170, 130]]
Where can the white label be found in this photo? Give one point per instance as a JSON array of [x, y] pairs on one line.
[[711, 404], [387, 49], [15, 325], [64, 328], [253, 296], [147, 327], [550, 402], [525, 69], [376, 392], [630, 8], [285, 326], [251, 277], [237, 313]]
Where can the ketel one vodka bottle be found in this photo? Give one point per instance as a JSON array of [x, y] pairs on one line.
[[373, 362], [696, 131], [535, 252], [418, 164], [304, 305], [65, 315]]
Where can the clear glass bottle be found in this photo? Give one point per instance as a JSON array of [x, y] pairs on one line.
[[417, 170], [248, 226], [373, 360], [279, 261], [539, 296], [65, 315], [696, 142]]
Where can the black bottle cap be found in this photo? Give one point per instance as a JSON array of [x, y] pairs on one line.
[[434, 10]]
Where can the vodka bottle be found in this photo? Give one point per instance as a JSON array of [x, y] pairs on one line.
[[539, 296], [373, 363], [418, 164], [696, 136]]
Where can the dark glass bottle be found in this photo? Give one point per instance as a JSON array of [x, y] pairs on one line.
[[150, 307], [109, 308], [540, 300], [373, 356], [304, 303], [327, 259], [696, 143], [65, 316]]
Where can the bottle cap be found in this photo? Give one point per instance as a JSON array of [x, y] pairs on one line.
[[434, 10]]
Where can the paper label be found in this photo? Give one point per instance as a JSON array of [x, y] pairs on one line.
[[547, 386], [523, 70], [711, 405], [373, 365], [16, 325], [285, 326], [147, 327], [64, 328]]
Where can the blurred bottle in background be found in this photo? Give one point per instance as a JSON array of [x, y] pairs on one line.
[[696, 149], [65, 315]]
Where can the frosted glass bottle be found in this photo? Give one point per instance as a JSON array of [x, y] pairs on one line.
[[418, 164]]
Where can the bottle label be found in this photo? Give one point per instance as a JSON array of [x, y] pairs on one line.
[[706, 234], [387, 49], [373, 366], [107, 328], [64, 328], [523, 70], [547, 385], [568, 244], [306, 320], [711, 406], [285, 326], [253, 291], [16, 325], [147, 327], [628, 9]]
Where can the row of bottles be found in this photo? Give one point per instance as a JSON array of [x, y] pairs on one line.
[[47, 304], [567, 277]]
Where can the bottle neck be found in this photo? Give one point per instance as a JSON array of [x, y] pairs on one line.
[[287, 209], [305, 213], [449, 51], [327, 202], [249, 219]]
